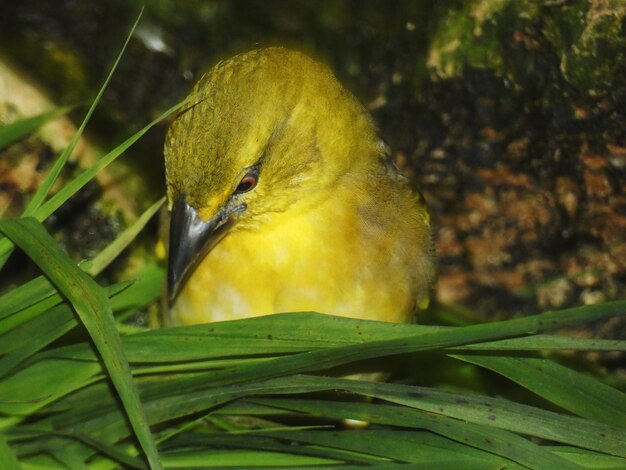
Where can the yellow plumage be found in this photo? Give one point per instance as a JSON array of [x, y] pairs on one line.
[[284, 200]]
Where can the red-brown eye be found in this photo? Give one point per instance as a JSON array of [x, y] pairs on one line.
[[247, 183]]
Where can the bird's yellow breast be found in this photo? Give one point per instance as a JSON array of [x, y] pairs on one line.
[[334, 256], [276, 157]]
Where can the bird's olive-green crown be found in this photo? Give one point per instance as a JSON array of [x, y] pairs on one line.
[[274, 108]]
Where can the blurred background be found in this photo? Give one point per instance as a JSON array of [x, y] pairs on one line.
[[509, 115]]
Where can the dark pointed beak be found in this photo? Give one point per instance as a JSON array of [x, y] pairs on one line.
[[191, 239]]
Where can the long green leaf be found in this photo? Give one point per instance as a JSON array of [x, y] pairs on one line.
[[267, 336], [301, 333], [28, 314], [480, 410], [311, 332], [502, 443], [7, 457], [400, 445], [24, 127], [55, 171], [574, 391], [91, 304], [548, 343], [81, 180], [261, 442], [248, 459], [24, 296], [46, 209], [496, 413], [37, 295], [56, 441], [25, 340], [434, 339], [178, 396], [500, 413]]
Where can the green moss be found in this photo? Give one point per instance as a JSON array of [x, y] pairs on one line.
[[564, 27], [477, 36], [508, 37], [596, 59]]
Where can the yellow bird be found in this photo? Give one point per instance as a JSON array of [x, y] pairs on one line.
[[283, 199]]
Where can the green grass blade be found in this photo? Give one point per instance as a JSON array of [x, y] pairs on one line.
[[246, 459], [92, 306], [26, 315], [44, 438], [271, 335], [589, 459], [36, 296], [30, 389], [55, 171], [432, 339], [40, 331], [471, 408], [72, 187], [93, 411], [25, 296], [500, 413], [489, 413], [21, 342], [548, 343], [400, 445], [265, 443], [7, 457], [502, 443], [114, 453], [314, 333], [24, 127], [574, 391], [5, 251], [58, 448], [290, 333]]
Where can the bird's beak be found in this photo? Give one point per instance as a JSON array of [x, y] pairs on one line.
[[191, 239]]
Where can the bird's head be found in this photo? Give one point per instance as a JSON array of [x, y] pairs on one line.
[[264, 132]]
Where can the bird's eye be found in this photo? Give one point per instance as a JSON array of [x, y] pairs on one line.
[[247, 183]]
